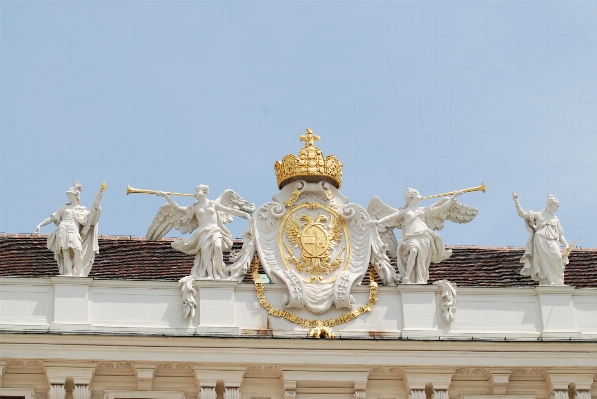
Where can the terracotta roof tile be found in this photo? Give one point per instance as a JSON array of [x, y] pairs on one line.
[[135, 258]]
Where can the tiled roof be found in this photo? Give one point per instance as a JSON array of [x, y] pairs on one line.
[[134, 258]]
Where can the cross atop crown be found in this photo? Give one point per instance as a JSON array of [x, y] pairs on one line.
[[309, 138]]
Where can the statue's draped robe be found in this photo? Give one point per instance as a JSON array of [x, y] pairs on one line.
[[69, 220], [543, 256], [201, 244], [429, 245]]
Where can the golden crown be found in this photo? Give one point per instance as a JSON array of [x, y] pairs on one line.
[[310, 165]]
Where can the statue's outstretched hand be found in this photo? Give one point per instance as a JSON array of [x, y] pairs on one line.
[[371, 222], [515, 196], [456, 194], [37, 229], [160, 194]]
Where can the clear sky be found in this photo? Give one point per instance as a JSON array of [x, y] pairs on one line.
[[437, 96]]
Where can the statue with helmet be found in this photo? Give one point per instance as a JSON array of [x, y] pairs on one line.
[[74, 242]]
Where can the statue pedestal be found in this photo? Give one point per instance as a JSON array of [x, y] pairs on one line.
[[420, 310], [557, 311], [71, 303], [215, 307]]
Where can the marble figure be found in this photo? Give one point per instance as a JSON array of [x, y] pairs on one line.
[[544, 260], [419, 244], [74, 242], [207, 218]]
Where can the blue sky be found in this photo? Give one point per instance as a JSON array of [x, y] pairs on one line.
[[437, 96]]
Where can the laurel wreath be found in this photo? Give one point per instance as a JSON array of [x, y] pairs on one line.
[[331, 322]]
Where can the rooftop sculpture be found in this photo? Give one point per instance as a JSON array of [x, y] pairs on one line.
[[74, 242], [419, 244], [309, 240], [544, 260], [207, 218]]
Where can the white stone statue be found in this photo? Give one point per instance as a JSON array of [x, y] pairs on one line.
[[419, 244], [211, 237], [74, 242], [544, 260]]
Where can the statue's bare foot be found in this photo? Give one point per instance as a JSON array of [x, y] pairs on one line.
[[405, 281]]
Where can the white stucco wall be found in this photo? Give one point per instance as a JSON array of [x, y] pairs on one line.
[[407, 311]]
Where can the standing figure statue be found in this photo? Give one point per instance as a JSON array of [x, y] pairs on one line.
[[543, 258], [74, 242], [419, 244], [208, 217]]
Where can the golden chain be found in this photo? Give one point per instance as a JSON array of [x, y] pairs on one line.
[[334, 321]]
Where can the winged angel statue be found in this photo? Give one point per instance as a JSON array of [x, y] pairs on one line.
[[208, 218], [419, 244]]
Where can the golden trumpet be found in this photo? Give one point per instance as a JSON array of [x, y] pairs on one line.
[[466, 190], [131, 190]]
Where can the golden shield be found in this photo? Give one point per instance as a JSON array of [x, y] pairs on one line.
[[314, 241]]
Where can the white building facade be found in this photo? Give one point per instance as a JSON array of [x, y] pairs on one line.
[[81, 338]]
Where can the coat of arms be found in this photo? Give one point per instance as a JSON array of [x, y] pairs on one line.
[[314, 241]]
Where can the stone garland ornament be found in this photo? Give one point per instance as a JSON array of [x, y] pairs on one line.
[[544, 260], [449, 296], [74, 242], [419, 244]]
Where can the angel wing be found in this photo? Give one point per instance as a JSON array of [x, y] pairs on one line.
[[457, 213], [169, 217], [230, 199], [291, 228], [378, 210]]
